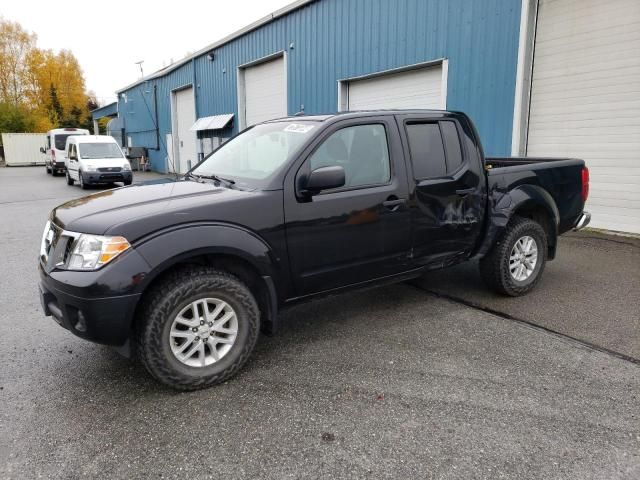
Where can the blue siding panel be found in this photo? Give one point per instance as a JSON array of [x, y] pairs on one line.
[[339, 39]]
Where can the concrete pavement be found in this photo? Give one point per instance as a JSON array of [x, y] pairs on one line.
[[388, 383]]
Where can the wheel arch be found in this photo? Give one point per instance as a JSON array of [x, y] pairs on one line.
[[229, 248], [529, 201]]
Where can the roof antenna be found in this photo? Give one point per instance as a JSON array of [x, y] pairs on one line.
[[301, 112]]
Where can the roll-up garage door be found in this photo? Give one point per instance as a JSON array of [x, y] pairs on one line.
[[418, 88], [265, 91], [585, 100]]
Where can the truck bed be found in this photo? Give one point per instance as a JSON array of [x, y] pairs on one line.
[[501, 162], [559, 177]]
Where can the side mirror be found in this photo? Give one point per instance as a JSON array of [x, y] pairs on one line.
[[325, 178], [42, 150]]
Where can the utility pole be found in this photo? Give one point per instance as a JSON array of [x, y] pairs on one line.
[[140, 65]]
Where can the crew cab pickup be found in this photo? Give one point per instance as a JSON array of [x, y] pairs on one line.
[[186, 273]]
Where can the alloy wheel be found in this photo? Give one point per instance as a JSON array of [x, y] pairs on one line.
[[523, 258], [203, 332]]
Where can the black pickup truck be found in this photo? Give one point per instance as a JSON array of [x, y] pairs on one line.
[[186, 272]]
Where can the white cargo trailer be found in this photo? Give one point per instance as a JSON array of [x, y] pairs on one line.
[[23, 148]]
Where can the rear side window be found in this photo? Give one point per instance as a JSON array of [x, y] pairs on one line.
[[427, 150], [435, 149], [451, 145]]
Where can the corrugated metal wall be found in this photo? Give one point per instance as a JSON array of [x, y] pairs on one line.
[[338, 39]]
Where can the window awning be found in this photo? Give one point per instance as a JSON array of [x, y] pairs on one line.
[[214, 122]]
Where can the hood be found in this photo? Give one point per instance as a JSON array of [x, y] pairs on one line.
[[140, 209]]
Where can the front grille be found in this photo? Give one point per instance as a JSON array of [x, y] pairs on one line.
[[49, 241], [111, 176], [110, 169], [55, 246]]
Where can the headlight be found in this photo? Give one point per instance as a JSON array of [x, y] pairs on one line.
[[91, 168], [126, 167], [90, 252]]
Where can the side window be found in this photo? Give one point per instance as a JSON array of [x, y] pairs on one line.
[[361, 150], [451, 145], [435, 149], [48, 141], [427, 150]]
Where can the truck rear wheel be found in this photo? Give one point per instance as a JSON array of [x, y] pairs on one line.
[[197, 328], [516, 262]]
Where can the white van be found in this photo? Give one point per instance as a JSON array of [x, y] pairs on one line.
[[96, 159], [55, 148]]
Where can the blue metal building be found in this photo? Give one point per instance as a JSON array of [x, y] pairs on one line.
[[334, 55]]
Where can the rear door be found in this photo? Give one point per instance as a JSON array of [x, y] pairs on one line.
[[447, 191], [358, 232]]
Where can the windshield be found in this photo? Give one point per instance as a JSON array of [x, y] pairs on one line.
[[60, 140], [99, 150], [257, 153]]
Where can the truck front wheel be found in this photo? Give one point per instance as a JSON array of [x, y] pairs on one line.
[[516, 262], [197, 328]]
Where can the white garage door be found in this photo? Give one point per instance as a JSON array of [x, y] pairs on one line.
[[585, 100], [185, 141], [265, 91], [420, 88]]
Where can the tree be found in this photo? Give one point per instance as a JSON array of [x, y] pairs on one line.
[[15, 46], [47, 87], [15, 119]]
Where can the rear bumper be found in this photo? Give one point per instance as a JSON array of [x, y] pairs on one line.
[[583, 221]]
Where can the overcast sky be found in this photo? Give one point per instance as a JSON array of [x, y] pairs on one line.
[[109, 37]]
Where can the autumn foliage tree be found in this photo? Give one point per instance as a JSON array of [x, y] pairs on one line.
[[39, 89]]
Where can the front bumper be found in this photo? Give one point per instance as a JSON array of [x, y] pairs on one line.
[[106, 177], [583, 221], [99, 319]]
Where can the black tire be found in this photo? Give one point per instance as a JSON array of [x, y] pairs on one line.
[[494, 267], [70, 181], [83, 185], [162, 304], [128, 182]]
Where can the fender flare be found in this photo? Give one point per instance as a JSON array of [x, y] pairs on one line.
[[166, 248], [505, 207]]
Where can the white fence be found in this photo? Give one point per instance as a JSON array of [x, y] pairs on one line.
[[23, 148]]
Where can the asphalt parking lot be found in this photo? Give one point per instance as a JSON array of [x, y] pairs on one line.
[[395, 382]]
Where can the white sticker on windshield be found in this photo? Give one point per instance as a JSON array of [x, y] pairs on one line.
[[298, 128]]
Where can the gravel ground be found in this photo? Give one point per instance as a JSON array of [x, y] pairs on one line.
[[387, 383]]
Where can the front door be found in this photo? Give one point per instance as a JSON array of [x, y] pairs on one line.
[[358, 232], [72, 161]]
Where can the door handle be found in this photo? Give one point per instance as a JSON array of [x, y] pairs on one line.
[[392, 203], [465, 191]]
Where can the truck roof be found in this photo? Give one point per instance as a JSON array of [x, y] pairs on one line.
[[362, 113]]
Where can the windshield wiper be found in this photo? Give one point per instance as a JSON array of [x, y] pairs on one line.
[[229, 182]]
